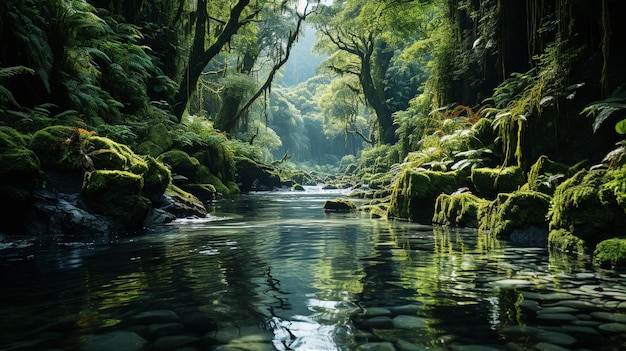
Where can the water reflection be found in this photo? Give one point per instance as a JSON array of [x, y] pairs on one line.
[[274, 272]]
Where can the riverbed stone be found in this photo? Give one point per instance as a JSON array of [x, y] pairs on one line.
[[376, 311], [165, 343], [613, 327], [376, 346], [609, 316], [117, 340], [409, 322], [155, 316], [383, 322], [556, 338], [545, 346], [405, 309], [556, 317]]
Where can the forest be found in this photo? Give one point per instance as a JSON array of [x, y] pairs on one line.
[[505, 116]]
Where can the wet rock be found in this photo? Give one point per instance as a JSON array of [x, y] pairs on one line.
[[556, 317], [405, 309], [409, 322], [156, 316], [609, 316], [544, 346], [376, 346], [556, 338], [118, 341], [376, 311], [613, 327], [165, 343], [382, 322]]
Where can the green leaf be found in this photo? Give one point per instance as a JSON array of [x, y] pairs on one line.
[[620, 127]]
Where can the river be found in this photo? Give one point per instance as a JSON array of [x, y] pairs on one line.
[[273, 271]]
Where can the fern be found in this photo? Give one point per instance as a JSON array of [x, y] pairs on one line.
[[603, 109]]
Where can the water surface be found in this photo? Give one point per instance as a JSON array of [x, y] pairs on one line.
[[272, 271]]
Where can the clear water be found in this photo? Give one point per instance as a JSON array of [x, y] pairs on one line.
[[272, 271]]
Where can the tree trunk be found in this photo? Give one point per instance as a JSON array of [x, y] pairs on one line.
[[199, 58]]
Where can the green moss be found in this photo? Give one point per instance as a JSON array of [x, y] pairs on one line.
[[105, 153], [491, 181], [584, 206], [459, 210], [616, 186], [545, 175], [116, 194], [149, 148], [156, 179], [58, 147], [563, 240], [517, 210], [106, 181], [181, 163], [11, 138], [19, 164], [339, 205], [414, 193], [611, 253]]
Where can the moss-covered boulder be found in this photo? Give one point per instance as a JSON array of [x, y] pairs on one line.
[[489, 182], [545, 175], [156, 142], [182, 203], [588, 206], [458, 210], [254, 176], [116, 194], [106, 154], [562, 240], [61, 147], [339, 205], [519, 216], [414, 193], [611, 253], [205, 177], [180, 163], [155, 180], [20, 176]]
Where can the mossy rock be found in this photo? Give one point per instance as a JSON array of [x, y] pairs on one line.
[[180, 163], [106, 154], [297, 187], [545, 175], [562, 240], [611, 253], [156, 179], [519, 211], [339, 205], [489, 182], [414, 193], [58, 147], [187, 204], [254, 176], [458, 210], [116, 194], [148, 147], [587, 206], [204, 176]]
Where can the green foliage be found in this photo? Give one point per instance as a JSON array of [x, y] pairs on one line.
[[489, 182], [458, 210], [564, 241], [517, 210], [603, 109], [611, 253]]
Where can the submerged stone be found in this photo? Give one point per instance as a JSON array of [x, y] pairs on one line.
[[118, 341]]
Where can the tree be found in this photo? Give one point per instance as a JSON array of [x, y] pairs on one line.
[[361, 39]]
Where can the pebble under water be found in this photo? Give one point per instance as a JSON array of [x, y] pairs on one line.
[[272, 271]]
